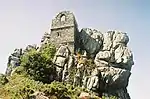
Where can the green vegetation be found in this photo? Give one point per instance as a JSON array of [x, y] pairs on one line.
[[38, 65], [20, 87], [34, 75], [3, 80]]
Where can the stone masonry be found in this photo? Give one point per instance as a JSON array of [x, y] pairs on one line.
[[63, 30]]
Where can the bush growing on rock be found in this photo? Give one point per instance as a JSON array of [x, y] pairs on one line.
[[3, 80], [38, 65]]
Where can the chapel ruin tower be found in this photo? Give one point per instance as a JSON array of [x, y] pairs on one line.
[[64, 30]]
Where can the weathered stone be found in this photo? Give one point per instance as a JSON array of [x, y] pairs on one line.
[[109, 50], [103, 55], [17, 53], [114, 78], [60, 60], [98, 36], [68, 68], [63, 51], [95, 34], [38, 95], [120, 38], [88, 31], [90, 44], [70, 62], [65, 73], [13, 60], [108, 40], [79, 75], [123, 57], [84, 95], [64, 30], [115, 51], [117, 94], [93, 81], [30, 47], [46, 38]]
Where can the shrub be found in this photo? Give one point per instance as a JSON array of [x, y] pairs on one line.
[[48, 51], [20, 87], [38, 64], [3, 80]]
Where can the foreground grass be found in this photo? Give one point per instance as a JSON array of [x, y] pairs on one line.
[[20, 87]]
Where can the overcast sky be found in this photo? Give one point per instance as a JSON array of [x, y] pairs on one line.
[[23, 22]]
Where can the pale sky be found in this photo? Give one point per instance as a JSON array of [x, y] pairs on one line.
[[24, 22]]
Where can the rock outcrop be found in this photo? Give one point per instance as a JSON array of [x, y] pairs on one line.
[[90, 41], [14, 59], [99, 62], [112, 63]]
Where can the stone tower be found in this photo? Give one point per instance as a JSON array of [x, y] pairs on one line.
[[64, 30]]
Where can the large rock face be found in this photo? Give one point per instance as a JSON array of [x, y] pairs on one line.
[[90, 41], [61, 61], [112, 63]]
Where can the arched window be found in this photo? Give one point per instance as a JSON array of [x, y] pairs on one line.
[[63, 18], [58, 34]]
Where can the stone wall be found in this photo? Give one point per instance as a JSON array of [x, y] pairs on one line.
[[63, 30], [63, 36]]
